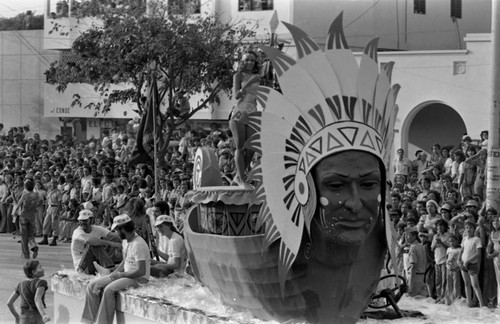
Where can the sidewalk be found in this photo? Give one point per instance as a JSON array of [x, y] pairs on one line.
[[11, 270]]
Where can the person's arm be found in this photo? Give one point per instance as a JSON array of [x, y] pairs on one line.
[[163, 255], [434, 243], [39, 304], [12, 308], [238, 94], [104, 240], [461, 264], [490, 252]]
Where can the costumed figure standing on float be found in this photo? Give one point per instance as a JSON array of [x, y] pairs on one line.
[[325, 147], [245, 83]]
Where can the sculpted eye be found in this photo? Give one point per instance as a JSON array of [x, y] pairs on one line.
[[335, 185], [369, 184]]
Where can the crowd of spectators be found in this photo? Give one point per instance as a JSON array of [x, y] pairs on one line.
[[98, 171], [448, 240]]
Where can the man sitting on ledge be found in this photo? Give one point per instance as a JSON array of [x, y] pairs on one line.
[[173, 252], [91, 243], [134, 269]]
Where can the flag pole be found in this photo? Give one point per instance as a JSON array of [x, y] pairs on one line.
[[156, 109]]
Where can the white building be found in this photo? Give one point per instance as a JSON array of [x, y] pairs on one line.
[[442, 64]]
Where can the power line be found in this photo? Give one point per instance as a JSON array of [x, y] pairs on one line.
[[361, 15]]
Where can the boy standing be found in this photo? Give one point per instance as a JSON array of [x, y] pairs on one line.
[[470, 255]]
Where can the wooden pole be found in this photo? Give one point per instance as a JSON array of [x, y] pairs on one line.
[[493, 163]]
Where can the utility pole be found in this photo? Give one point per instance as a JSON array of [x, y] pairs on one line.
[[493, 163]]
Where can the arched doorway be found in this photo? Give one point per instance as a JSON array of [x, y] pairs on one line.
[[430, 123]]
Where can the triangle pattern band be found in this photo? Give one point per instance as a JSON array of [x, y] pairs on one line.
[[349, 133]]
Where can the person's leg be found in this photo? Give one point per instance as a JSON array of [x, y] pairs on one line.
[[31, 235], [449, 297], [55, 225], [3, 218], [456, 284], [39, 220], [468, 290], [477, 289], [442, 288], [47, 226], [24, 239], [239, 137], [107, 308], [93, 298]]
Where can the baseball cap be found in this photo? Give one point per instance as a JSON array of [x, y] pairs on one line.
[[120, 220], [446, 207], [472, 203], [84, 215], [164, 219]]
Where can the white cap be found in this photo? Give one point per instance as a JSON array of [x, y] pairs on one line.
[[84, 215], [164, 219], [120, 220]]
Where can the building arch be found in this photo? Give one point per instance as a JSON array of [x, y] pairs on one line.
[[429, 123]]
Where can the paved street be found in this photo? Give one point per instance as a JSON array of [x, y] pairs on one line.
[[11, 269]]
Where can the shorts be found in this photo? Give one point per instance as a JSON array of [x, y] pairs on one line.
[[473, 269]]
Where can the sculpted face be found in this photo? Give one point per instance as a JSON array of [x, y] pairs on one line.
[[348, 190]]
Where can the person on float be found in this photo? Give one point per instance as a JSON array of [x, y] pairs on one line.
[[245, 83], [91, 243], [174, 253], [101, 293]]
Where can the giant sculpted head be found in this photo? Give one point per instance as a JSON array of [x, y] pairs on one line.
[[325, 144]]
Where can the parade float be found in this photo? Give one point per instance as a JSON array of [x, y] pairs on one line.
[[273, 250]]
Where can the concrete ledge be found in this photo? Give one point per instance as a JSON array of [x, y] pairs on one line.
[[132, 305]]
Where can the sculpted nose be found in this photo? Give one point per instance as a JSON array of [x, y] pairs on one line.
[[353, 203]]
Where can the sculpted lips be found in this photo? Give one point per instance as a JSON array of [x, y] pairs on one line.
[[352, 224]]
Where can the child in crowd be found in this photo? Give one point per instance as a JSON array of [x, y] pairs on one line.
[[426, 240], [32, 293], [452, 270], [439, 247], [417, 260], [469, 261]]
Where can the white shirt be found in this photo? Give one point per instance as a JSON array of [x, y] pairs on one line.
[[470, 246], [177, 249], [79, 238], [135, 251]]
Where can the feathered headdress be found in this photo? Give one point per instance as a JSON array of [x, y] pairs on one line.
[[329, 105]]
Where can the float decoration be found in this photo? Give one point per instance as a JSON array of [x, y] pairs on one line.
[[329, 105]]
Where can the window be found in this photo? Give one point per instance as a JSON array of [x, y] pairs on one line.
[[255, 5], [456, 9], [419, 7], [187, 7]]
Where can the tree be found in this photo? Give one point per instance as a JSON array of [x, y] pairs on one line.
[[190, 54]]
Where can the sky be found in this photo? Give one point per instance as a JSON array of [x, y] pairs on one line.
[[11, 8]]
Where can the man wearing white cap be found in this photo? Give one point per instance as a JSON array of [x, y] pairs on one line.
[[100, 308], [175, 254], [91, 243]]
